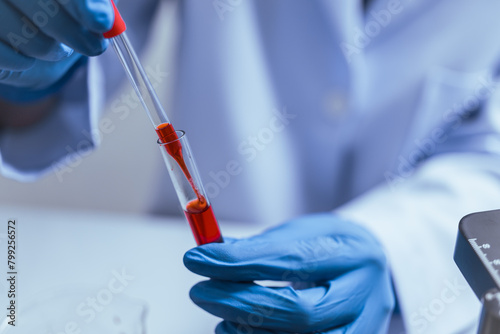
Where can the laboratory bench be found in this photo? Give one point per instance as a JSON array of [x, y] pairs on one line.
[[99, 272]]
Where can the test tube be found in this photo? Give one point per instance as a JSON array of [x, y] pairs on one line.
[[190, 191], [197, 209]]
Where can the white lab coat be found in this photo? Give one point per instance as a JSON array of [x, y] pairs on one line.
[[303, 106]]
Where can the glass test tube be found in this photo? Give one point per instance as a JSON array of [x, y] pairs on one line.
[[189, 189]]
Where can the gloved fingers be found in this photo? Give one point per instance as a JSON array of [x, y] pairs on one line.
[[374, 318], [316, 258], [50, 18], [334, 304], [23, 36], [11, 60], [376, 314], [96, 15], [41, 75]]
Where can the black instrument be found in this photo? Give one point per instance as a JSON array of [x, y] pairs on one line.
[[477, 254]]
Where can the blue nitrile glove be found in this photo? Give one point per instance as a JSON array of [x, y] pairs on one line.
[[38, 39], [344, 280]]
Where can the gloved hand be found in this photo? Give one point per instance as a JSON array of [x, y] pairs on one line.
[[38, 39], [340, 280]]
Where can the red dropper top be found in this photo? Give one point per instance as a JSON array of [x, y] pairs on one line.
[[118, 26]]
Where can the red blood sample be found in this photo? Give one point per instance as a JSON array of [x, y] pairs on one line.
[[198, 213], [202, 220]]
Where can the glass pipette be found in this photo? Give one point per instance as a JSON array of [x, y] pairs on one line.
[[192, 196], [138, 78]]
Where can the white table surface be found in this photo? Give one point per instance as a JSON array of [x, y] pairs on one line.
[[71, 250]]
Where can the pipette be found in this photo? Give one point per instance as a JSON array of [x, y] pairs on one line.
[[173, 144], [138, 78]]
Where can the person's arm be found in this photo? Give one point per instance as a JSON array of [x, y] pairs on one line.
[[414, 215], [35, 69], [74, 90], [418, 229], [416, 224]]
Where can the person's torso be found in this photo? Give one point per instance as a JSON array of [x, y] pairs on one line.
[[296, 107]]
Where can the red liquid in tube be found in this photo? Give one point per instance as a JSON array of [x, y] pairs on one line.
[[202, 220], [198, 213]]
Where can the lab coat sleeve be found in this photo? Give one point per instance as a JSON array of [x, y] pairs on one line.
[[415, 214], [58, 143]]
